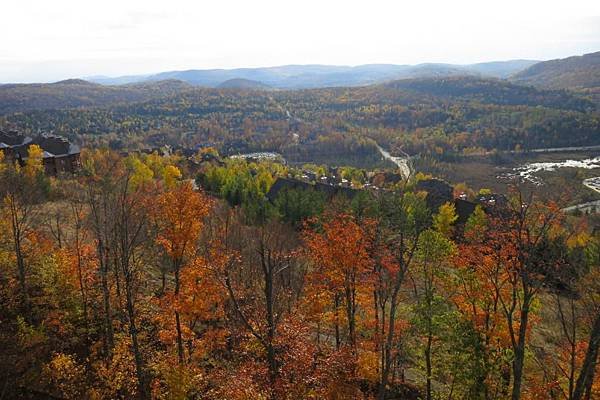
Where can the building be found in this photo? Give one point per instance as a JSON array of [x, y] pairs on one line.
[[295, 184], [59, 155], [438, 193]]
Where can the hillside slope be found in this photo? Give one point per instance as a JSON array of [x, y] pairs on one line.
[[316, 76], [448, 116], [238, 83], [493, 91], [579, 72], [77, 93]]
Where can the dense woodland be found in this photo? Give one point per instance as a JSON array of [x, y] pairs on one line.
[[572, 72], [123, 281], [445, 117]]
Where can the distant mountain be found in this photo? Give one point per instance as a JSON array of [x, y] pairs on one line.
[[579, 72], [315, 76], [501, 69], [167, 86], [493, 91], [238, 83], [74, 82], [76, 93], [121, 80]]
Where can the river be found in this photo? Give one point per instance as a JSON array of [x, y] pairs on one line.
[[528, 171]]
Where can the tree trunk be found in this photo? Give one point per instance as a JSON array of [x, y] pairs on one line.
[[143, 388], [387, 351], [268, 271], [428, 365], [82, 289], [351, 315], [22, 275], [336, 304], [519, 359], [177, 319], [106, 299], [587, 372]]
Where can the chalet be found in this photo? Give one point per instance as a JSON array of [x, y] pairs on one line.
[[464, 210], [493, 204], [438, 192], [296, 184], [59, 156], [492, 200]]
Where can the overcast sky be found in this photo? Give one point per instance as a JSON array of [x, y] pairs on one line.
[[42, 40]]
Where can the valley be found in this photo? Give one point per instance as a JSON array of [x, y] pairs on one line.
[[285, 200]]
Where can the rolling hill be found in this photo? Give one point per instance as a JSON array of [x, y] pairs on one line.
[[77, 93], [579, 72], [448, 115], [315, 76], [243, 84], [493, 91]]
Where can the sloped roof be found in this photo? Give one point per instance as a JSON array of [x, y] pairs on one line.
[[464, 209], [55, 145], [438, 192], [10, 139], [52, 145], [329, 190]]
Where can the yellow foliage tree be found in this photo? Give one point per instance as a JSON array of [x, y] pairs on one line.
[[141, 173], [170, 176], [35, 161], [2, 166], [444, 219]]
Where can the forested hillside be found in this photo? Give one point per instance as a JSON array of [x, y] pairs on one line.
[[445, 116], [76, 93], [578, 72], [123, 281], [312, 76], [497, 92]]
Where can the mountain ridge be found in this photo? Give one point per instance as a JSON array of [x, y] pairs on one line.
[[77, 93], [240, 83], [576, 72], [296, 76], [72, 94]]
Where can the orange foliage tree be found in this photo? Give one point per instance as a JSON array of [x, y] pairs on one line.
[[179, 214]]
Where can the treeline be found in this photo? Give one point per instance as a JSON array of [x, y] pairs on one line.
[[77, 93], [498, 92], [440, 117], [125, 282]]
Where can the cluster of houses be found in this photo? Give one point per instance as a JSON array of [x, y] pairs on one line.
[[59, 155], [440, 192], [437, 191], [333, 176], [331, 184]]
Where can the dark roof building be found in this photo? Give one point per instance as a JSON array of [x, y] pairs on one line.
[[59, 154], [295, 184], [464, 209], [438, 192]]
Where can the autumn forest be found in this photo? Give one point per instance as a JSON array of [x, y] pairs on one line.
[[129, 280], [376, 232]]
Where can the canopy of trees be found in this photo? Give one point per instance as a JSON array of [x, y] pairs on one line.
[[125, 282], [441, 117]]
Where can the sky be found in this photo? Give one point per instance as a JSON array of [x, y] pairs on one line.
[[45, 41]]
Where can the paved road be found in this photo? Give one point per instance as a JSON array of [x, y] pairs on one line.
[[592, 206], [543, 150], [559, 149], [403, 162]]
